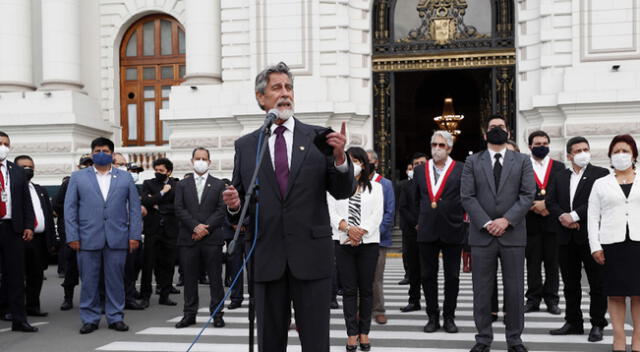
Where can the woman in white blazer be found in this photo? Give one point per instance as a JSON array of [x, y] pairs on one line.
[[356, 225], [614, 236]]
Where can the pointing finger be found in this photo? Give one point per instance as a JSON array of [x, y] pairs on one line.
[[343, 129]]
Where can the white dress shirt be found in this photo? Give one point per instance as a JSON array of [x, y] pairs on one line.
[[573, 187], [492, 155], [540, 167], [104, 181], [7, 188], [37, 209], [197, 178], [371, 214]]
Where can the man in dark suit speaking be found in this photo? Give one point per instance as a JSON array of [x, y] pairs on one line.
[[294, 252]]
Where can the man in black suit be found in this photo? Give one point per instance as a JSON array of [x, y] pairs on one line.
[[440, 228], [201, 212], [542, 247], [16, 228], [408, 222], [294, 252], [71, 274], [160, 232], [133, 263], [44, 238], [567, 202]]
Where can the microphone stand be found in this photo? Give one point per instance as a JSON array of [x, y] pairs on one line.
[[253, 188]]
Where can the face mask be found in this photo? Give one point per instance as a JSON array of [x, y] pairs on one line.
[[200, 166], [540, 152], [4, 151], [28, 173], [410, 174], [123, 168], [135, 176], [497, 136], [582, 159], [160, 177], [621, 161], [438, 154], [102, 158], [357, 169]]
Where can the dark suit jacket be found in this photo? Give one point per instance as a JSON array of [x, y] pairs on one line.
[[537, 223], [294, 231], [22, 216], [407, 209], [58, 207], [559, 197], [210, 211], [49, 226], [443, 223], [162, 218]]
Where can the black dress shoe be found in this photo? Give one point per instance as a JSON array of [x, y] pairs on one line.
[[595, 334], [144, 303], [66, 305], [6, 317], [553, 309], [133, 305], [88, 328], [334, 304], [23, 327], [365, 347], [36, 313], [166, 301], [234, 305], [479, 347], [568, 329], [449, 325], [518, 348], [351, 348], [404, 281], [136, 294], [119, 326], [411, 307], [433, 324], [185, 321], [218, 322], [531, 307], [174, 291]]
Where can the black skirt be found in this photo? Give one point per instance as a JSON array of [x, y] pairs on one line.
[[621, 276]]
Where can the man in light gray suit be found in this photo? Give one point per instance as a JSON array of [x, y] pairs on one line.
[[497, 190]]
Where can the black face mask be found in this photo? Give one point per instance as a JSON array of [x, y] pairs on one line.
[[28, 173], [540, 152], [497, 136], [160, 177]]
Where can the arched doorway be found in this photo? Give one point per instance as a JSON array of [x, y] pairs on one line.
[[152, 59], [425, 51]]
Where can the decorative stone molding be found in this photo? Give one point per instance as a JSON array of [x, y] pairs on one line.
[[207, 142], [445, 61], [356, 139], [602, 129], [43, 147], [228, 141], [54, 169]]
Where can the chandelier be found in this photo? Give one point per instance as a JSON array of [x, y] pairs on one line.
[[449, 121]]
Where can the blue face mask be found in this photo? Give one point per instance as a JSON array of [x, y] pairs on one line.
[[102, 158]]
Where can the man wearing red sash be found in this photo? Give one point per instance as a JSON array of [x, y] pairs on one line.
[[542, 244], [440, 229]]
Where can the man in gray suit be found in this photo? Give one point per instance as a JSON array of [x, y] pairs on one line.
[[497, 190]]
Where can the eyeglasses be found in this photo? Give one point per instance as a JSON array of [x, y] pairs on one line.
[[441, 145]]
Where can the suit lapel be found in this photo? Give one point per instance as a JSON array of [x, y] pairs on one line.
[[585, 176], [113, 182], [91, 175], [206, 189], [488, 169], [507, 165], [299, 151], [191, 188]]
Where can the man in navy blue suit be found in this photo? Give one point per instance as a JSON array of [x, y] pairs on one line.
[[103, 220]]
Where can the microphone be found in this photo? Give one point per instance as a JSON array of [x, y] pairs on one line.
[[272, 115]]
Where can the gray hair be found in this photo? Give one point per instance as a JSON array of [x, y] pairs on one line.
[[263, 77], [444, 134], [373, 155]]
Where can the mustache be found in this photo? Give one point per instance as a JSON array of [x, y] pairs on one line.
[[284, 101]]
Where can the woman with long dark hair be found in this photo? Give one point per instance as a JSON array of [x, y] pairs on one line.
[[356, 223]]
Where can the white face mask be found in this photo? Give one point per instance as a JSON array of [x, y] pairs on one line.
[[123, 168], [135, 176], [438, 154], [200, 166], [357, 169], [582, 159], [4, 152], [621, 161], [410, 174]]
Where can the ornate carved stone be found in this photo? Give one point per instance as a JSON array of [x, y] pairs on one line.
[[207, 142], [228, 141]]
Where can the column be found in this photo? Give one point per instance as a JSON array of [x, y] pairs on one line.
[[61, 45], [16, 71], [203, 44]]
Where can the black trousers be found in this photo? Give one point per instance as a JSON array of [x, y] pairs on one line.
[[232, 266], [311, 300], [192, 257], [572, 257], [12, 254], [35, 264], [412, 254], [159, 258], [542, 248], [429, 254], [132, 267], [357, 267]]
